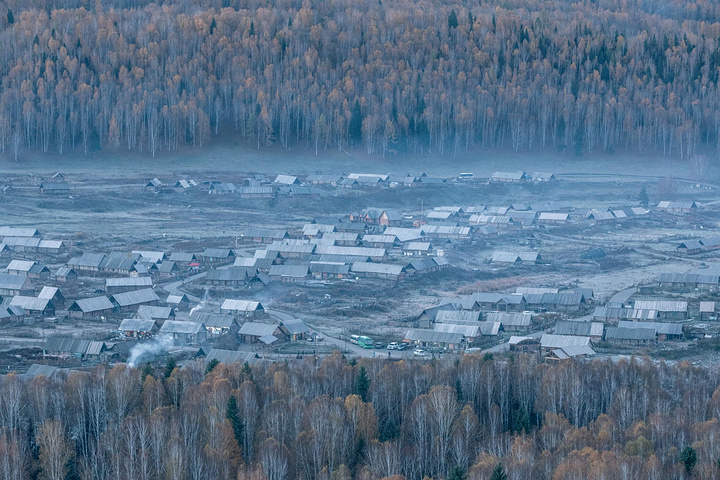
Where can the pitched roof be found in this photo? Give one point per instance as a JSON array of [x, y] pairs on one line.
[[135, 297], [31, 304], [509, 175], [20, 265], [377, 268], [177, 326], [639, 334], [137, 325], [431, 336], [14, 282], [295, 326], [510, 319], [295, 271], [48, 292], [560, 341], [227, 357], [455, 316], [662, 328], [18, 232], [129, 282], [232, 274], [176, 299], [257, 329], [153, 312], [90, 305], [662, 305], [241, 305]]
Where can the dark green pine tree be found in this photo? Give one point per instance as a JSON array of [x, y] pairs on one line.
[[457, 473], [471, 20], [459, 390], [233, 415], [362, 384], [147, 370], [643, 197], [688, 457], [355, 126], [211, 365], [10, 17], [252, 28], [452, 19], [498, 473], [170, 366], [213, 26]]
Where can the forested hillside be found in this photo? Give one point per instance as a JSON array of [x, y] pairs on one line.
[[376, 419], [384, 76]]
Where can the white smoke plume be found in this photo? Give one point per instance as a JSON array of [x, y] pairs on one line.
[[156, 346], [201, 305]]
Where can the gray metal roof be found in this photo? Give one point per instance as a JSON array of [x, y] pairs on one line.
[[135, 297], [176, 299], [662, 305], [452, 316], [67, 345], [639, 334], [334, 268], [257, 329], [137, 325], [177, 326], [227, 357], [404, 234], [511, 319], [217, 252], [570, 327], [560, 341], [49, 293], [509, 175], [661, 327], [158, 313], [430, 336], [96, 304], [64, 271], [31, 304], [241, 305], [294, 271], [18, 232], [377, 268], [357, 251], [295, 326], [44, 370], [129, 282], [472, 331], [20, 265], [505, 257], [182, 257], [232, 274], [215, 321], [87, 260]]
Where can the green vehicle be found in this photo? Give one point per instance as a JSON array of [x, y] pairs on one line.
[[366, 342]]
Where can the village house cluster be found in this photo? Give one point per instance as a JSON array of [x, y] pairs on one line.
[[133, 296]]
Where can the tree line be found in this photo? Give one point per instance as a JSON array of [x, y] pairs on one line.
[[383, 77], [332, 419]]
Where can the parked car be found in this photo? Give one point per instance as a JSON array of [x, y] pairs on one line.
[[419, 353], [403, 346], [392, 346], [379, 345]]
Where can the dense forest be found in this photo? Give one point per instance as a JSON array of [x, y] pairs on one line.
[[380, 76], [475, 418]]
